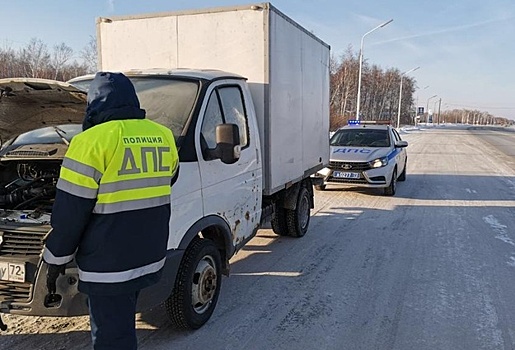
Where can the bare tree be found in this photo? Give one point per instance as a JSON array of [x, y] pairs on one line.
[[343, 88], [467, 116], [388, 94], [8, 63], [379, 91], [62, 54], [408, 105], [89, 55], [35, 58]]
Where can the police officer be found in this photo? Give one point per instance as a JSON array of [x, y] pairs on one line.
[[112, 208]]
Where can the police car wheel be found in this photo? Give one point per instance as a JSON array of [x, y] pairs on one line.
[[402, 176], [390, 190], [197, 286]]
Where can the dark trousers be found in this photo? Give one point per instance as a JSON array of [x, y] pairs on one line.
[[113, 321]]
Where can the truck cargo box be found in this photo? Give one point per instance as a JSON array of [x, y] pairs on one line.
[[287, 68]]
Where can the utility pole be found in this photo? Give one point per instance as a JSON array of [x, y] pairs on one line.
[[439, 105]]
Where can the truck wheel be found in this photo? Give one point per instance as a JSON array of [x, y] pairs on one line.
[[197, 286], [279, 225], [319, 187], [390, 190], [298, 220]]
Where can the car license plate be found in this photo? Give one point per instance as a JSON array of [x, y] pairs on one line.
[[345, 175], [13, 272]]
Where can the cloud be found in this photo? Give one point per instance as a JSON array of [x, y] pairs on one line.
[[447, 30], [110, 5]]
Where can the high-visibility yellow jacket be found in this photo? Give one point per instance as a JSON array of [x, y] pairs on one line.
[[112, 206]]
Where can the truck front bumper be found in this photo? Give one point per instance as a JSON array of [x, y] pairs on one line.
[[31, 297], [23, 288]]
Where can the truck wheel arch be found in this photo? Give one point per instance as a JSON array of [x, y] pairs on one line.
[[216, 229], [289, 200]]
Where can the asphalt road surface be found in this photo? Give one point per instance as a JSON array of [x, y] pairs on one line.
[[431, 268]]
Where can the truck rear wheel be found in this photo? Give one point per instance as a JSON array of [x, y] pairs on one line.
[[297, 220], [320, 187], [197, 286], [279, 225]]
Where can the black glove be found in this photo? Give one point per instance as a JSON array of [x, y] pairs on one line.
[[51, 276]]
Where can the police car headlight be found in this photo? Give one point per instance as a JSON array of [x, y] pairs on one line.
[[379, 162]]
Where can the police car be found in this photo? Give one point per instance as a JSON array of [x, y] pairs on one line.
[[366, 154]]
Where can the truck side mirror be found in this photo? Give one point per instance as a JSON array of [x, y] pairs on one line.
[[227, 143]]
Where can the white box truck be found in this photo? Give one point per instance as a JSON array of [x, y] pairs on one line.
[[245, 91]]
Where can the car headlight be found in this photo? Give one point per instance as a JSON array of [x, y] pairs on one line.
[[379, 162]]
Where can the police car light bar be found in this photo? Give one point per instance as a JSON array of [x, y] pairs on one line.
[[358, 122]]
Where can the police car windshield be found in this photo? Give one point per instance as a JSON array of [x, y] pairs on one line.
[[361, 137], [166, 101]]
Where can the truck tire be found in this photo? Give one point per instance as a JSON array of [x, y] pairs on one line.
[[297, 220], [319, 187], [390, 190], [197, 286], [279, 225]]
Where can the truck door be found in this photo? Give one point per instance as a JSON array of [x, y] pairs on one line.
[[232, 191]]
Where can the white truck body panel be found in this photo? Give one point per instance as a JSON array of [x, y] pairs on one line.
[[187, 203], [286, 66]]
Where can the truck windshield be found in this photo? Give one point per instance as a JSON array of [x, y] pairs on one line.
[[167, 101]]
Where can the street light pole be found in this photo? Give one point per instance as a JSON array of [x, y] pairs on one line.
[[361, 64], [400, 96], [435, 114], [427, 107], [439, 106]]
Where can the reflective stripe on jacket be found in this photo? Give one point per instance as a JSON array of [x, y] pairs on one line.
[[131, 169]]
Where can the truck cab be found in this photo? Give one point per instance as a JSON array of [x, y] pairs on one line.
[[225, 149]]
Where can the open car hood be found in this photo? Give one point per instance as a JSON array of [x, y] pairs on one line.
[[28, 103]]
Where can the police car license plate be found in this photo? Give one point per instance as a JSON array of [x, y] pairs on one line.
[[345, 175], [13, 272]]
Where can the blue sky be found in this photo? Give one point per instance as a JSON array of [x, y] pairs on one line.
[[465, 48]]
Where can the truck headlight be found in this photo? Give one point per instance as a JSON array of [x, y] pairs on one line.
[[379, 162]]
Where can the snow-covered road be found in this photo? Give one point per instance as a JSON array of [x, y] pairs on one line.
[[431, 268]]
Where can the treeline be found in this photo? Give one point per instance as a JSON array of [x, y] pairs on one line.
[[474, 117], [379, 88], [379, 97], [37, 60]]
